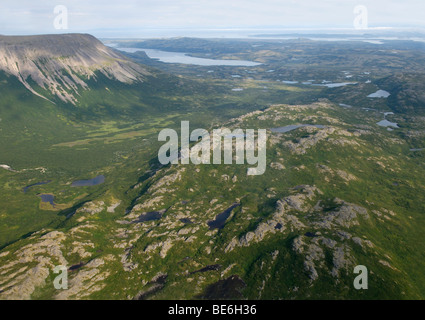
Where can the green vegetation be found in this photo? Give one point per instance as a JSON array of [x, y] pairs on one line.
[[351, 193]]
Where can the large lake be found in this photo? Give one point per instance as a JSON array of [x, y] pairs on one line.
[[180, 57]]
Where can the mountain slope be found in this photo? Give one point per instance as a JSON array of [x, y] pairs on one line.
[[62, 64]]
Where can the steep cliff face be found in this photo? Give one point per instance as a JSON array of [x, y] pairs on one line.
[[61, 64]]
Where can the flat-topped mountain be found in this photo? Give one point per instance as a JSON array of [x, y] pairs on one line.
[[62, 64]]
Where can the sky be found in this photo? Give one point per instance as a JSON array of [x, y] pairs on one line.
[[131, 18]]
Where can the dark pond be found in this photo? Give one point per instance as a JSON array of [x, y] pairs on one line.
[[221, 218], [310, 235], [214, 267], [88, 183], [230, 288], [50, 198], [35, 184], [149, 216], [294, 126], [186, 221], [76, 266]]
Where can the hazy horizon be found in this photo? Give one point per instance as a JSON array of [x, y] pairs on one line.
[[164, 18]]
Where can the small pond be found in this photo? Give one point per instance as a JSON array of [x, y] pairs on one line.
[[89, 183], [294, 127], [220, 219], [50, 198]]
